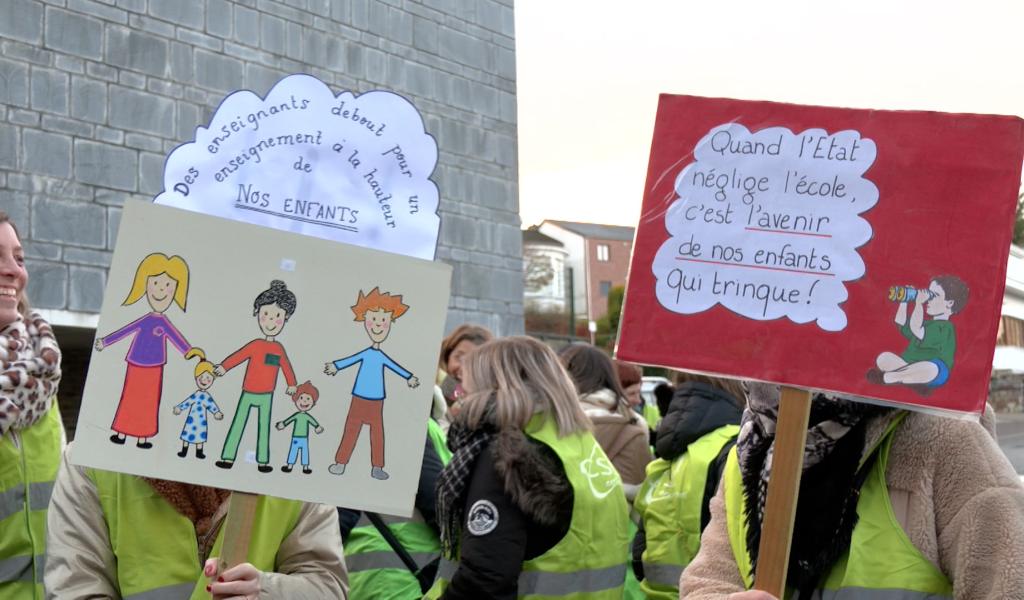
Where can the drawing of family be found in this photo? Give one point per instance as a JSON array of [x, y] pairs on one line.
[[163, 281]]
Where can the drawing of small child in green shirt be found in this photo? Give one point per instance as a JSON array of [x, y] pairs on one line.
[[305, 398], [927, 361]]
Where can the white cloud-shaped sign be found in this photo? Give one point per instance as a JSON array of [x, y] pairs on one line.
[[768, 225], [355, 169]]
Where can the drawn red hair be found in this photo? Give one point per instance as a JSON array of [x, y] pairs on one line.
[[307, 388], [377, 300]]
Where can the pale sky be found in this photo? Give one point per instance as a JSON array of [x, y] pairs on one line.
[[589, 73]]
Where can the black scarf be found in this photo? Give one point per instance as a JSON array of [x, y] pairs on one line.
[[466, 445], [829, 487]]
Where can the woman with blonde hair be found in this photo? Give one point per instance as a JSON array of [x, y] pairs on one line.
[[163, 281], [529, 504]]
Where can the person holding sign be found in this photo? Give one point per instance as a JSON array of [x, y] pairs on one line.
[[31, 434], [890, 501], [264, 357], [529, 504], [114, 535]]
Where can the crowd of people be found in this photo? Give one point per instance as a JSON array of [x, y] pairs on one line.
[[544, 475]]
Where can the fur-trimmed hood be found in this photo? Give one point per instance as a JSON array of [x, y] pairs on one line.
[[532, 474]]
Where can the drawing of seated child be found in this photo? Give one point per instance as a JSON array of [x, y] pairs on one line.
[[927, 361], [198, 405], [305, 398]]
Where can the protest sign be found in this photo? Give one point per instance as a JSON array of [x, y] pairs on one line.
[[301, 341], [857, 251], [354, 169]]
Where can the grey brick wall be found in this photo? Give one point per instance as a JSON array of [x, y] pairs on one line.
[[94, 93]]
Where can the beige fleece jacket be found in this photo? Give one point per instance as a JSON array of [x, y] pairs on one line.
[[623, 437], [81, 564], [953, 491]]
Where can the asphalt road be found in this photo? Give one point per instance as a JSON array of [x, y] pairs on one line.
[[1010, 431]]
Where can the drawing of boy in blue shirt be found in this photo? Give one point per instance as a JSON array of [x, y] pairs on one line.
[[377, 311]]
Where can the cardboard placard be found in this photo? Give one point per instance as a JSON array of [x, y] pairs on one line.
[[354, 169], [352, 332], [856, 251]]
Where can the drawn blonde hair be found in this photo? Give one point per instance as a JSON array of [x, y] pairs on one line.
[[157, 264], [524, 377], [204, 365]]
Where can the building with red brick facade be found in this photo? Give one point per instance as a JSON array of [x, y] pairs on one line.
[[598, 256]]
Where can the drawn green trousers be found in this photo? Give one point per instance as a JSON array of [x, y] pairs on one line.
[[247, 402]]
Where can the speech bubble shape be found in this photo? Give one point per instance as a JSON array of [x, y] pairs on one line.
[[767, 224], [355, 169]]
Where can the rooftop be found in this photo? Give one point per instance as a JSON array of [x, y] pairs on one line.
[[596, 231]]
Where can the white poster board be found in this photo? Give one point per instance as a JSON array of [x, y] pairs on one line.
[[354, 169], [211, 288]]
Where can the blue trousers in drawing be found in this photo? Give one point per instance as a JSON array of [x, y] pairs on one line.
[[300, 447]]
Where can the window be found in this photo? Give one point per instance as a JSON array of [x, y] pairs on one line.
[[606, 286], [603, 252]]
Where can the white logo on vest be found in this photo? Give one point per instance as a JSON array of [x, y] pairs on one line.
[[600, 473], [483, 517]]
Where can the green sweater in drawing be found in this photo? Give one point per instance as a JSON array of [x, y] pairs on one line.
[[302, 422], [939, 343]]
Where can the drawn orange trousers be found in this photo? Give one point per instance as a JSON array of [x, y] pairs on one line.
[[138, 411], [363, 412]]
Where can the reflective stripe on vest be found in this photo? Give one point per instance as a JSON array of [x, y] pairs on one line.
[[384, 560], [662, 575], [145, 530], [670, 501], [13, 500], [170, 592], [29, 459], [542, 583], [590, 560], [881, 562], [375, 571], [19, 568]]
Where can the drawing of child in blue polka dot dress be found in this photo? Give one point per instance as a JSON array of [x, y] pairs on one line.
[[198, 405]]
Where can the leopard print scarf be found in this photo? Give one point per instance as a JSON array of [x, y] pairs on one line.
[[29, 372]]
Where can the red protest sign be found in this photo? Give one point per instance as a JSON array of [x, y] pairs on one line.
[[858, 251]]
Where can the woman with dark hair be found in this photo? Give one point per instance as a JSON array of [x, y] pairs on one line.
[[31, 434], [622, 433], [265, 356], [529, 506]]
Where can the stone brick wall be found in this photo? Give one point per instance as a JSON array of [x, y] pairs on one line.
[[94, 94], [1006, 392]]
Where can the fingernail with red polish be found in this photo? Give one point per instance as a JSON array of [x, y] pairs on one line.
[[220, 579], [208, 588]]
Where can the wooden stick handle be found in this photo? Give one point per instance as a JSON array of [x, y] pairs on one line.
[[237, 529], [783, 491]]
